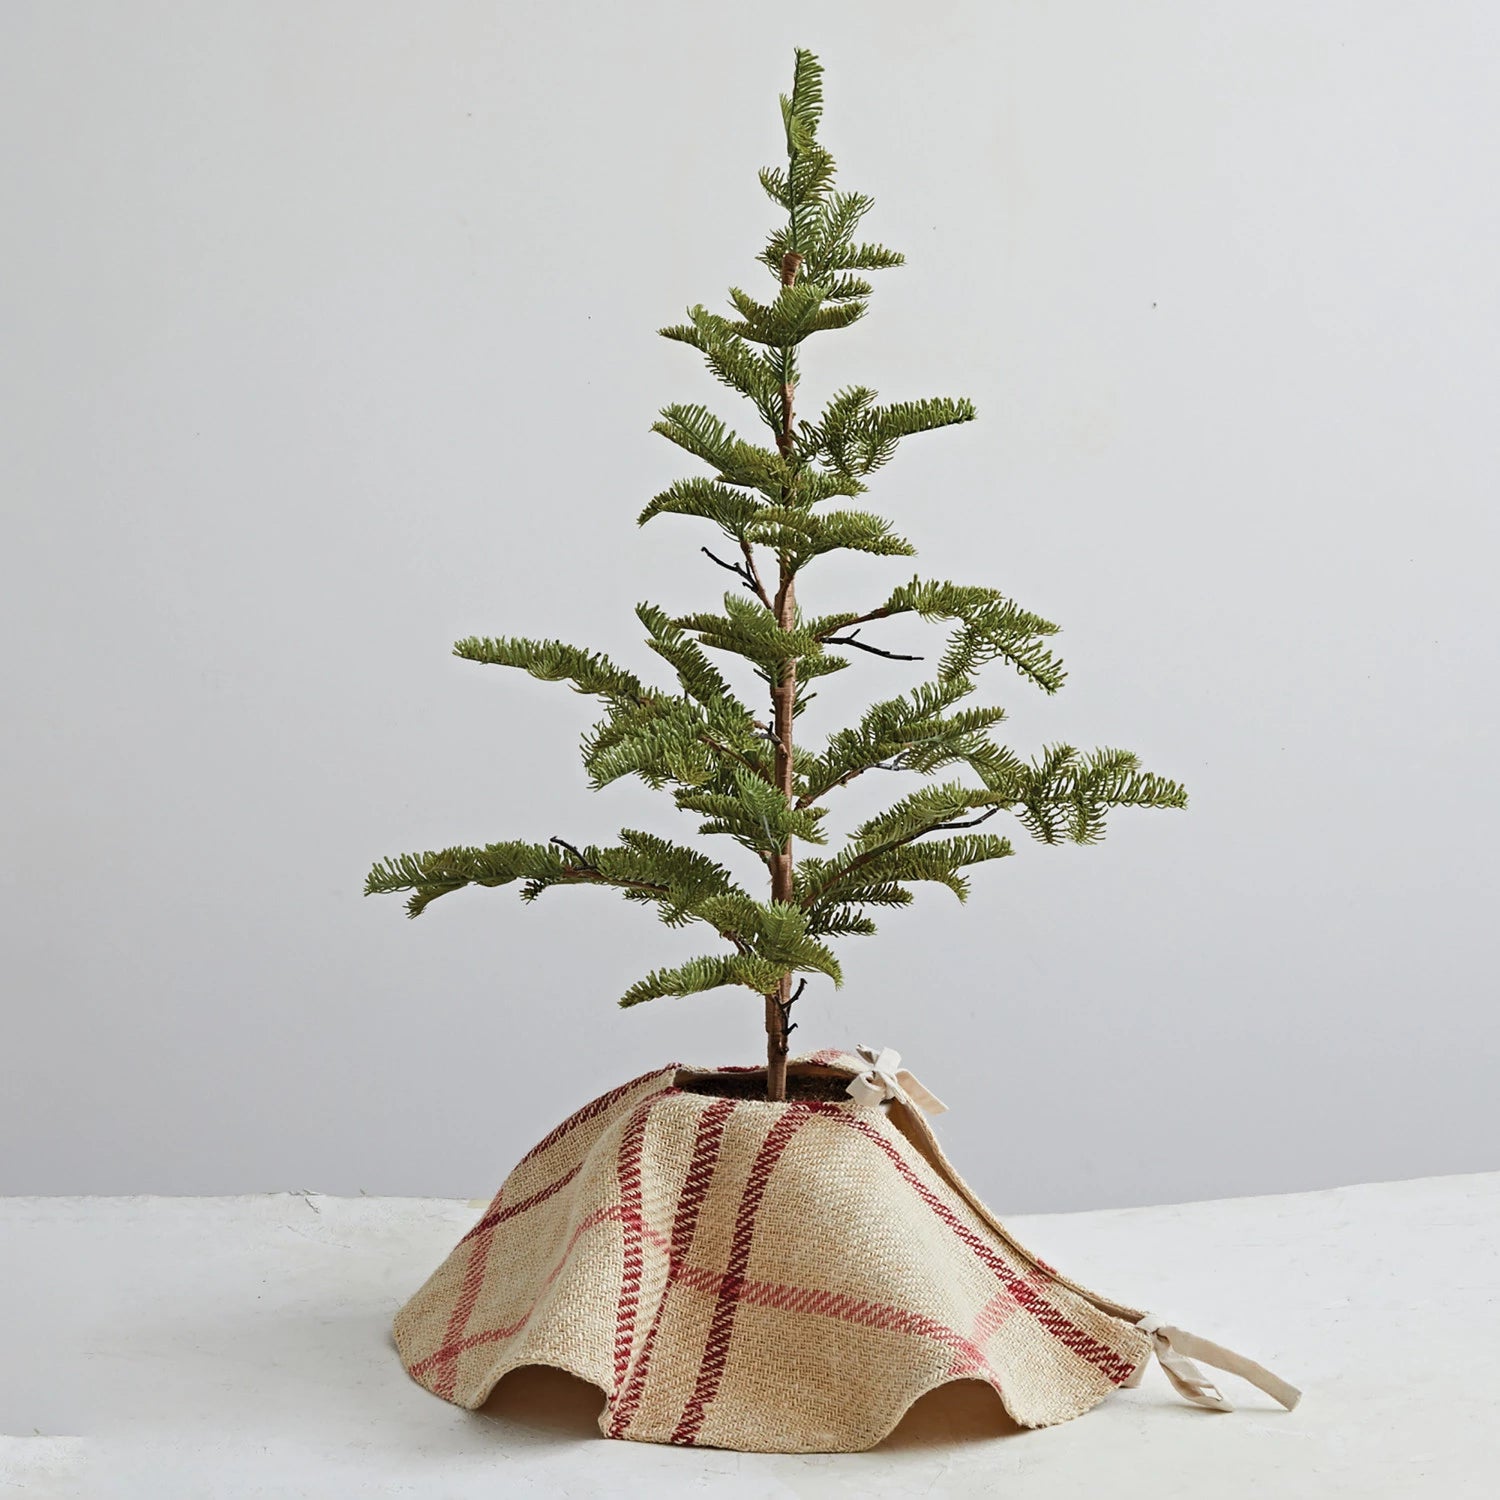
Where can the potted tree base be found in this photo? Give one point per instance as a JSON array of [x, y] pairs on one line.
[[782, 1277], [782, 1258]]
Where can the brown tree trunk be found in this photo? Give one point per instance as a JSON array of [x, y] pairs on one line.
[[783, 696], [779, 1003]]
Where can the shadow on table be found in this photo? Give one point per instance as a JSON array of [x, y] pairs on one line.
[[543, 1404], [963, 1411]]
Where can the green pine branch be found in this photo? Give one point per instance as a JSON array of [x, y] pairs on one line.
[[754, 813], [554, 661], [1065, 795], [912, 732], [991, 628], [741, 770]]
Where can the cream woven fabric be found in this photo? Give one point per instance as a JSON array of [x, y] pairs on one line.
[[771, 1277]]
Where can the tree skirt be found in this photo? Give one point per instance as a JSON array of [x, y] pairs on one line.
[[771, 1277]]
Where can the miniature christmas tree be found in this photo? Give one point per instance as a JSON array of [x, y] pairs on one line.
[[744, 772]]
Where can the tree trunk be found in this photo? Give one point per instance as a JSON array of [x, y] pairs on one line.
[[779, 1003], [783, 698]]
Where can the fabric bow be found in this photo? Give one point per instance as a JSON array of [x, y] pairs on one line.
[[1175, 1351], [885, 1078]]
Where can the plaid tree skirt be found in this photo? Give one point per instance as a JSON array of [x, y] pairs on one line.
[[765, 1277]]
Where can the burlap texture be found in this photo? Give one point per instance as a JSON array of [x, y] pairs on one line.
[[766, 1277]]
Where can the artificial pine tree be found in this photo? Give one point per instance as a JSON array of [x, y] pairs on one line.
[[744, 771]]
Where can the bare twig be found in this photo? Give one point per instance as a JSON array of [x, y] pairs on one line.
[[853, 640], [784, 1007], [874, 614], [575, 852], [860, 860], [587, 868], [769, 733], [733, 754], [984, 817], [897, 762], [745, 576]]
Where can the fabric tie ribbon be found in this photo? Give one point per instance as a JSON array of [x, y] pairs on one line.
[[886, 1079], [1176, 1350]]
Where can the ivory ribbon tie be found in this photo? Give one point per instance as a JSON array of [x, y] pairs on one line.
[[1175, 1351], [1175, 1348], [887, 1079]]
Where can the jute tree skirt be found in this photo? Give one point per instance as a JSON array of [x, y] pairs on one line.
[[772, 1277]]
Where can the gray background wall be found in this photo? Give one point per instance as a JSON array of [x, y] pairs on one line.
[[328, 338]]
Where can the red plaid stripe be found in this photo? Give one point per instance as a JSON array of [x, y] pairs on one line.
[[591, 1111], [827, 1055], [451, 1351], [498, 1215], [756, 1293], [629, 1169], [721, 1329], [481, 1237], [881, 1315], [1101, 1356], [694, 1190]]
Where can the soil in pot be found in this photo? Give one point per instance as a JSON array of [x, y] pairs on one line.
[[799, 1086]]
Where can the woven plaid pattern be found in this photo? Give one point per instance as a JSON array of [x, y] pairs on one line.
[[773, 1277]]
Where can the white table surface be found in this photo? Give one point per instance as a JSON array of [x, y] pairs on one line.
[[232, 1347]]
